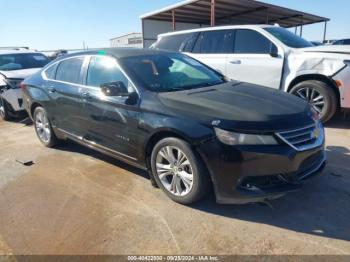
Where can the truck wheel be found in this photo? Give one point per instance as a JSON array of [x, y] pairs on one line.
[[319, 95], [4, 112], [179, 172]]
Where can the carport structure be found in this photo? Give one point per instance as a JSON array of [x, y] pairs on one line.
[[192, 14]]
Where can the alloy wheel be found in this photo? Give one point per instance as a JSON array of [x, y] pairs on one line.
[[313, 97], [174, 170], [42, 126]]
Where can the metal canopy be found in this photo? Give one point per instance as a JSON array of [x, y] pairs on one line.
[[228, 12]]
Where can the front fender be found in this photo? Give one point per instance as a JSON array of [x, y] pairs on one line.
[[191, 131], [309, 64]]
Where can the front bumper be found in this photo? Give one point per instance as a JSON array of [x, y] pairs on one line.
[[244, 174], [14, 97], [343, 77]]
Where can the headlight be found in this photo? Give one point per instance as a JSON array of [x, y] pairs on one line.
[[13, 83], [232, 138]]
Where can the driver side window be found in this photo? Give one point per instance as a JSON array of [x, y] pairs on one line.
[[103, 70]]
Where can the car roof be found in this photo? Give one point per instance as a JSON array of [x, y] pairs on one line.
[[12, 51], [202, 29], [120, 52]]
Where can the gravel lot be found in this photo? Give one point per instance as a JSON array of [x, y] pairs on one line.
[[75, 201]]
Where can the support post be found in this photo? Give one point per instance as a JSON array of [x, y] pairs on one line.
[[173, 19], [325, 32], [296, 30], [143, 33], [212, 13], [267, 16], [301, 27]]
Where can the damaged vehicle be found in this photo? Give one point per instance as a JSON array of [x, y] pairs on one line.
[[180, 120], [274, 57], [15, 66]]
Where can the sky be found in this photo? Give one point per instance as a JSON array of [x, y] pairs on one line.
[[66, 24]]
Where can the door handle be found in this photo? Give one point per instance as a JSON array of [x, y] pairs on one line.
[[236, 62], [86, 95]]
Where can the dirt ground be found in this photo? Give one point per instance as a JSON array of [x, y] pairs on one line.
[[75, 201]]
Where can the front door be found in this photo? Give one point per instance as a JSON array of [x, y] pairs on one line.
[[255, 59], [110, 121]]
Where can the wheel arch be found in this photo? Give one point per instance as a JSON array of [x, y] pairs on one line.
[[156, 137], [33, 107], [317, 77]]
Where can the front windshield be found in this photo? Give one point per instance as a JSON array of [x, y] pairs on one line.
[[170, 72], [288, 38], [11, 62]]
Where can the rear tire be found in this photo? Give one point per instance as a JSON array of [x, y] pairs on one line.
[[179, 172], [43, 128], [4, 111], [319, 95]]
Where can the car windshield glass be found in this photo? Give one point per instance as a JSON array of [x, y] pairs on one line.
[[11, 62], [170, 72], [288, 38]]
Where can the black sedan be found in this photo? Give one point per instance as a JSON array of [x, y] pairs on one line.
[[186, 124]]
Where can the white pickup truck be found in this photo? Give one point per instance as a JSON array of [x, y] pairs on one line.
[[271, 56]]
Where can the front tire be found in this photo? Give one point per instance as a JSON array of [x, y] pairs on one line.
[[43, 128], [319, 95], [179, 172], [4, 112]]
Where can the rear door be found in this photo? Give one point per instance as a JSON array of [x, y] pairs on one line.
[[254, 59], [212, 47], [65, 91]]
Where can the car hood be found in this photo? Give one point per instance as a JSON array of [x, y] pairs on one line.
[[336, 49], [240, 107], [19, 74]]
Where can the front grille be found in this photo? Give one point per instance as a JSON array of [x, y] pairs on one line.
[[304, 138]]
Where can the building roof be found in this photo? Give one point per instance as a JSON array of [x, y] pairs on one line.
[[117, 37], [234, 12]]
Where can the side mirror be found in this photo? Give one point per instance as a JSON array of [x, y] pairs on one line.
[[114, 89], [273, 51]]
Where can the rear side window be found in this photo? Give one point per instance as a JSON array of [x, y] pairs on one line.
[[69, 70], [251, 42], [103, 70], [174, 42], [214, 42], [51, 72]]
